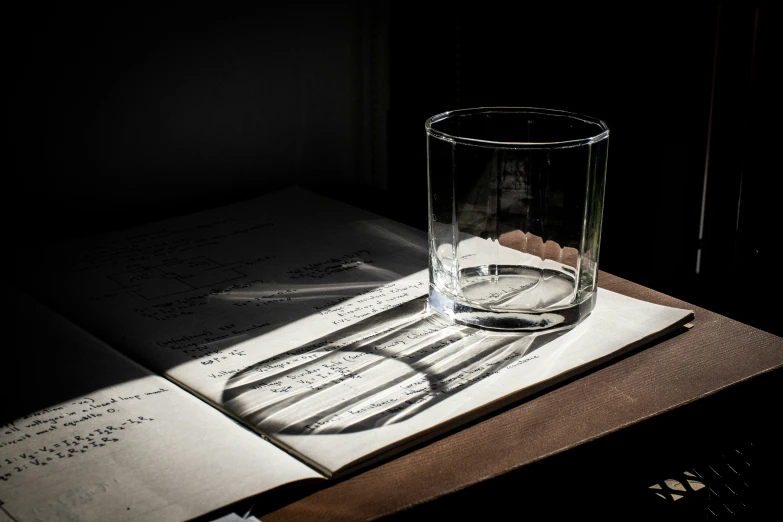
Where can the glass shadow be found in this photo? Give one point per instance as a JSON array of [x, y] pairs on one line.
[[377, 372]]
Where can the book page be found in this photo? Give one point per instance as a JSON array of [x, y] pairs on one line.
[[86, 434], [181, 296], [307, 319], [408, 373]]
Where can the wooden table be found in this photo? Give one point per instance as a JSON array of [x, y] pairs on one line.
[[591, 445]]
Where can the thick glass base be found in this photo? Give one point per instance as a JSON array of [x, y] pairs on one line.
[[475, 315]]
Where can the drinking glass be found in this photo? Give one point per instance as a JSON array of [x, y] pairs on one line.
[[516, 205]]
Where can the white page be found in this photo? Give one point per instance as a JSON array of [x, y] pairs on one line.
[[225, 301], [358, 393], [179, 296], [117, 442]]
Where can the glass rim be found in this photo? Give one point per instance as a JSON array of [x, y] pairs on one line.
[[517, 144]]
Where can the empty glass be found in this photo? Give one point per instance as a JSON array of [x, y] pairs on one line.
[[516, 204]]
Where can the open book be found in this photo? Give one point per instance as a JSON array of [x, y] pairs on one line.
[[195, 362]]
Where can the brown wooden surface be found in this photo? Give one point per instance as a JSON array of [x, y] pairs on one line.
[[715, 354]]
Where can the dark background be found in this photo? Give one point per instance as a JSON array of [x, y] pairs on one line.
[[133, 115], [130, 115]]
